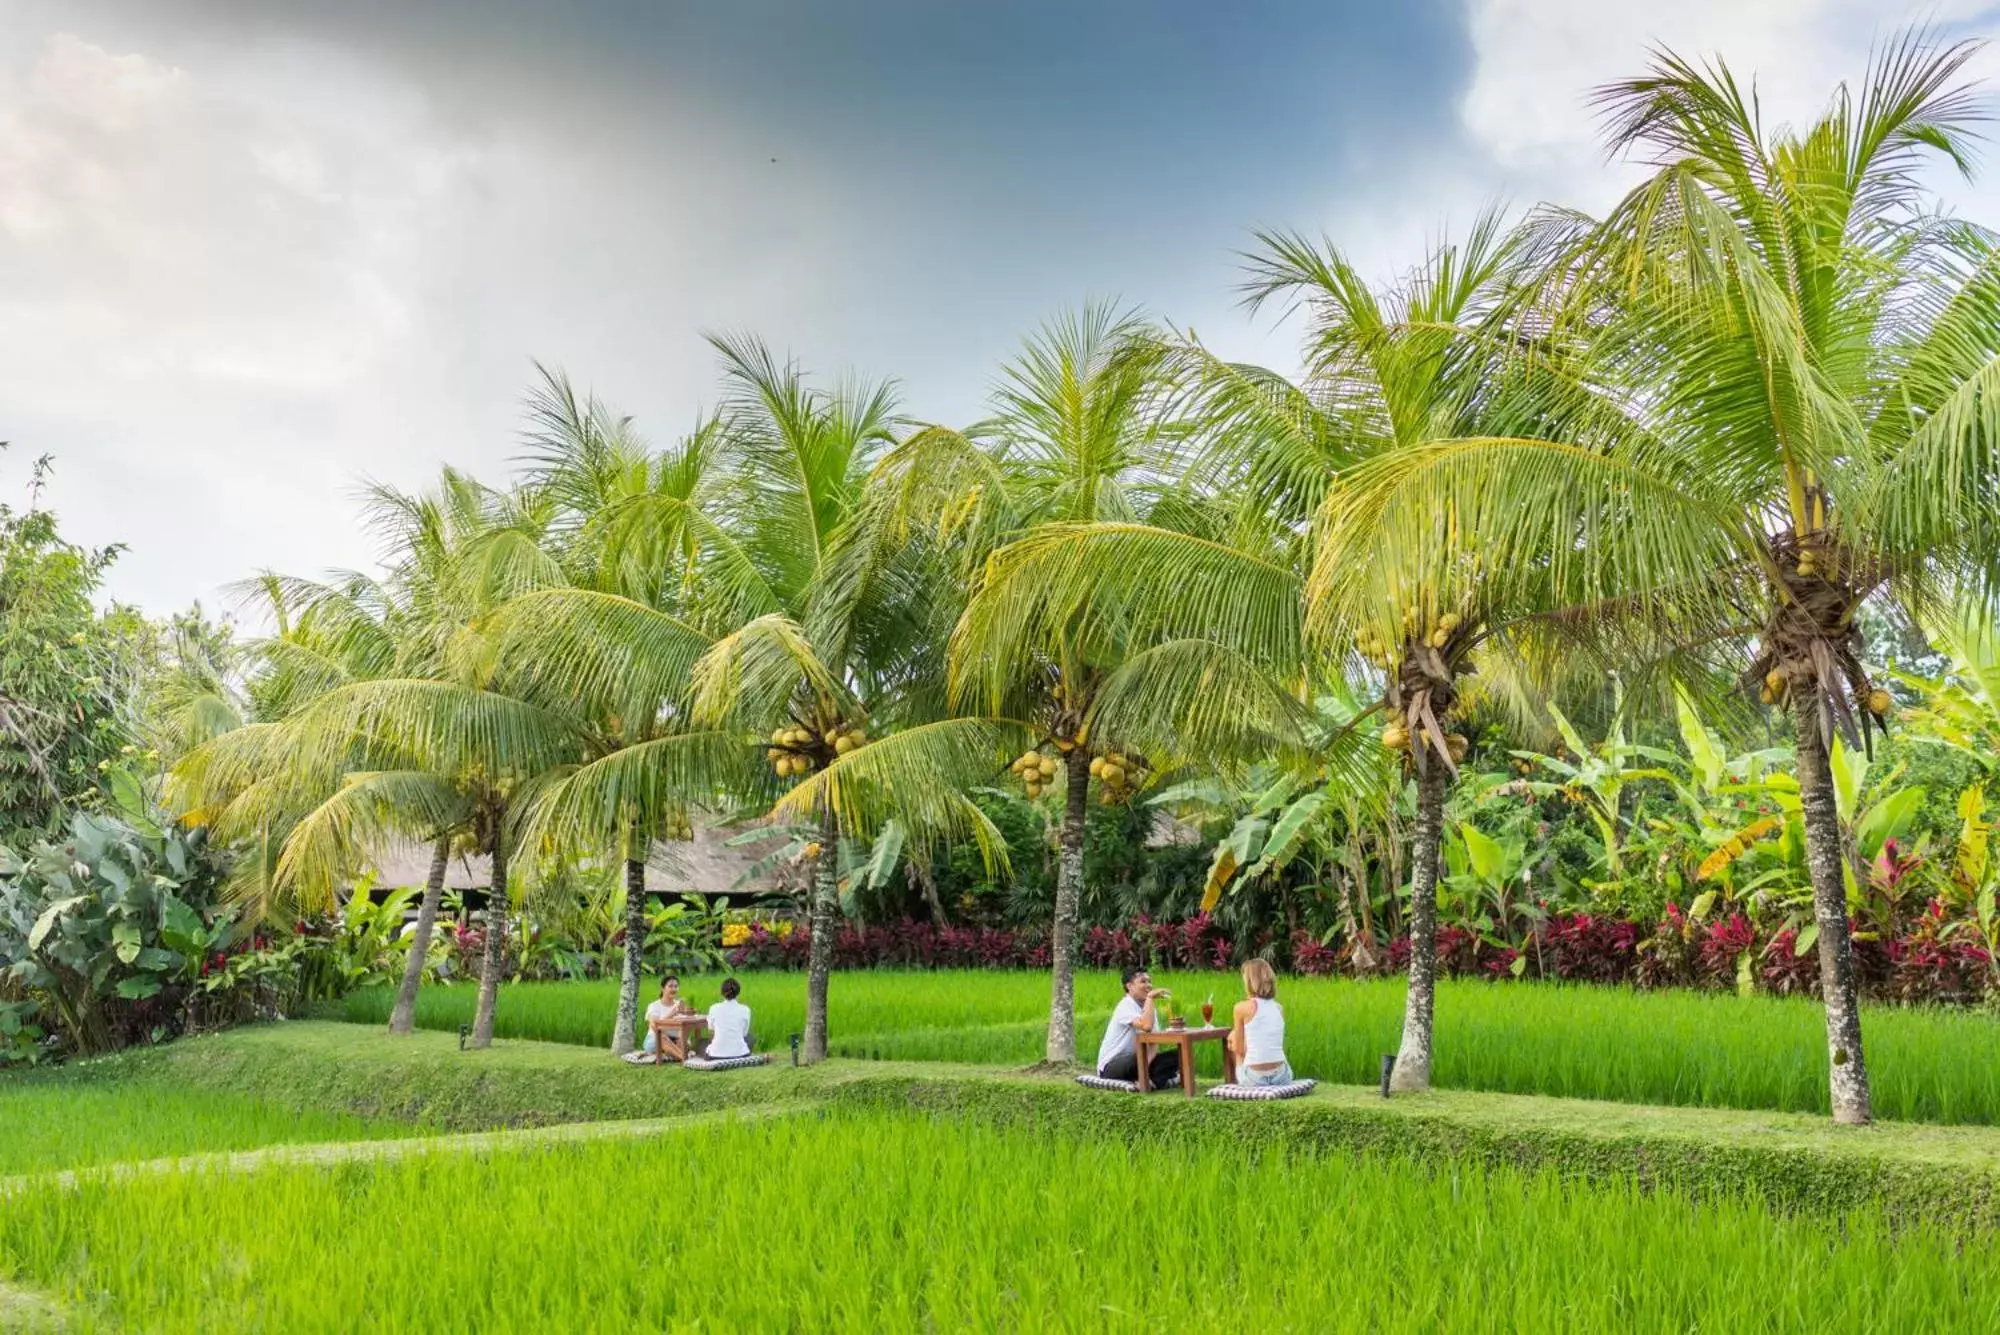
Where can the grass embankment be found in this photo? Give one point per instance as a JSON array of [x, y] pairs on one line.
[[1671, 1047], [1795, 1162], [89, 1115], [948, 1224]]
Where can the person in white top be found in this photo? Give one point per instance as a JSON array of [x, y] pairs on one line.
[[1118, 1054], [670, 1005], [728, 1024], [1257, 1036]]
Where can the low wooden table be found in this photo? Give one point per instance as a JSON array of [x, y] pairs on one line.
[[1185, 1039], [679, 1032]]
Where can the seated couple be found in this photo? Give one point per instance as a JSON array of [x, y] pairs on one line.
[[728, 1019], [1256, 1037]]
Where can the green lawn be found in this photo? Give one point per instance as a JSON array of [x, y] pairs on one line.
[[1669, 1047], [861, 1219], [63, 1121]]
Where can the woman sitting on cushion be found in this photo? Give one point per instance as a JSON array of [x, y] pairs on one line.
[[1257, 1036], [728, 1024], [671, 1005]]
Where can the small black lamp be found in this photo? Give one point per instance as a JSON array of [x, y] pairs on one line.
[[464, 1032], [795, 1049], [1388, 1069]]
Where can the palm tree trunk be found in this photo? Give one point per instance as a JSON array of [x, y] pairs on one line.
[[495, 960], [635, 957], [1847, 1070], [825, 916], [1069, 897], [1413, 1059], [927, 883], [403, 1019]]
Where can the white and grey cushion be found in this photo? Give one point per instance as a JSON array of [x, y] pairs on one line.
[[641, 1057], [1106, 1082], [1260, 1093], [726, 1063]]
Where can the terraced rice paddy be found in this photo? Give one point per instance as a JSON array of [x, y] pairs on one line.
[[890, 1222], [65, 1122], [1671, 1047]]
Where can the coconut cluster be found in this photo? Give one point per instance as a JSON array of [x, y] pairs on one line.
[[1416, 634], [1036, 770], [1777, 690], [797, 750], [1397, 738], [1120, 772]]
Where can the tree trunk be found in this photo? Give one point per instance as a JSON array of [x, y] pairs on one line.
[[927, 883], [1847, 1069], [635, 957], [495, 960], [825, 917], [1069, 898], [1413, 1059], [403, 1019]]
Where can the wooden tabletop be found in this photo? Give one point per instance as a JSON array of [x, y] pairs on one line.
[[675, 1030], [1185, 1039]]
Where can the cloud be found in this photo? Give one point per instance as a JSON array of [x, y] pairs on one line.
[[1535, 62], [196, 278]]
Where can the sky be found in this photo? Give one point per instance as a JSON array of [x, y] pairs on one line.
[[255, 252]]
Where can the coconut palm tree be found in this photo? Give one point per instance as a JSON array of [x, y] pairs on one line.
[[1336, 559], [634, 533], [382, 723], [854, 625], [1814, 352], [1075, 440]]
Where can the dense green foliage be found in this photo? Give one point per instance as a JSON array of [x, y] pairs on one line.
[[300, 1249], [65, 671], [1721, 1051]]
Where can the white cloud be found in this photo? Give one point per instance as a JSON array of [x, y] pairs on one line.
[[1536, 61], [195, 282]]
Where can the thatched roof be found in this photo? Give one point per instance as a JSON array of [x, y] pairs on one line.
[[706, 865]]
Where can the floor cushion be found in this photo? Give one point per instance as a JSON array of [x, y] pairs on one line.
[[1105, 1082], [641, 1057], [726, 1063], [1260, 1093]]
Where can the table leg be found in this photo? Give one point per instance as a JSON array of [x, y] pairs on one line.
[[1228, 1063], [1187, 1065], [1139, 1075]]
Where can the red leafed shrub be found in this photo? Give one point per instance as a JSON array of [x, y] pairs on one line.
[[1718, 946], [1587, 948], [1934, 962], [1784, 970], [1459, 951], [1311, 958]]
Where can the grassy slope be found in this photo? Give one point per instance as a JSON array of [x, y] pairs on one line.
[[61, 1119], [735, 1217], [1795, 1160], [1684, 1048]]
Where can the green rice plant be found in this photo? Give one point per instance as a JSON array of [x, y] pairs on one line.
[[1671, 1047], [72, 1123], [870, 1221]]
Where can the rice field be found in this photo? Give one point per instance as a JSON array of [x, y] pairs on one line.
[[1681, 1048], [69, 1123], [1669, 1047], [891, 1222]]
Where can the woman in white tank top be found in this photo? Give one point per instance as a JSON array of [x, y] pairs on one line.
[[1258, 1037]]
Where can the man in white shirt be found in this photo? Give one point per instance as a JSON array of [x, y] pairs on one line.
[[1118, 1054], [729, 1024]]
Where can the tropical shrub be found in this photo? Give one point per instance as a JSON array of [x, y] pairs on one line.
[[114, 931]]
